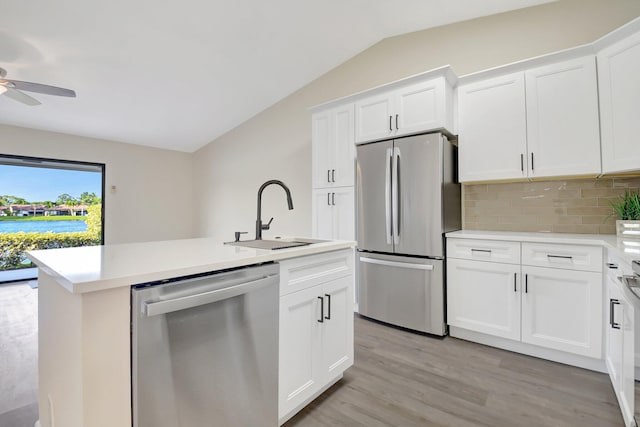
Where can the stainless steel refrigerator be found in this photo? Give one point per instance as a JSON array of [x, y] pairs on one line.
[[407, 198]]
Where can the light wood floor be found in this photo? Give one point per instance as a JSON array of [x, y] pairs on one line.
[[405, 379]]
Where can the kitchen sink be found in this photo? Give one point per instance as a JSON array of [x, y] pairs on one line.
[[278, 243]]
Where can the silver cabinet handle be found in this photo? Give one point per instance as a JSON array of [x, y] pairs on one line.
[[328, 199], [368, 260], [333, 175], [190, 301], [560, 256], [526, 283], [328, 175], [321, 319], [397, 122], [522, 162], [333, 199], [612, 320], [387, 196], [532, 161], [481, 250], [328, 316], [390, 128], [515, 282], [612, 266]]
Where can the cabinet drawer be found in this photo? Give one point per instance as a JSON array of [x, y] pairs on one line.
[[304, 272], [484, 250], [571, 257]]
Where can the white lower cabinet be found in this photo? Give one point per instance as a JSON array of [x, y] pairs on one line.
[[549, 307], [484, 297], [562, 310], [620, 348], [316, 328]]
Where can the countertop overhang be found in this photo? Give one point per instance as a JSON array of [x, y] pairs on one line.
[[95, 268]]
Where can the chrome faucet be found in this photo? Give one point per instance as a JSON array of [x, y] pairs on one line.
[[259, 225]]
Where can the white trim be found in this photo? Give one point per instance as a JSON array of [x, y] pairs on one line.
[[592, 364]]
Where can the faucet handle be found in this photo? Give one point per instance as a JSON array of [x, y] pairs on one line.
[[238, 233], [267, 225]]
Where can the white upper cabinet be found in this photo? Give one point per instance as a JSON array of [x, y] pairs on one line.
[[374, 118], [619, 86], [333, 213], [541, 122], [410, 109], [493, 130], [563, 133], [333, 150]]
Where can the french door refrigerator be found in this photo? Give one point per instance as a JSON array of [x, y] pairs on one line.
[[407, 198]]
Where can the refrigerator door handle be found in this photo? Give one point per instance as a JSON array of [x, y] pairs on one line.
[[387, 195], [395, 191], [397, 264]]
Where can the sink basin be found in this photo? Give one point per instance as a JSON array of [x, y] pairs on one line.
[[301, 240], [269, 244], [278, 243]]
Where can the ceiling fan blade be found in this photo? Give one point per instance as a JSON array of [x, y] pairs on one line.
[[40, 88], [16, 95]]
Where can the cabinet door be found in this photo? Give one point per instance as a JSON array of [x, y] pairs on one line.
[[321, 149], [620, 350], [343, 147], [374, 118], [322, 214], [344, 216], [562, 309], [563, 132], [300, 349], [628, 361], [419, 107], [337, 328], [484, 297], [493, 131], [615, 344], [619, 86]]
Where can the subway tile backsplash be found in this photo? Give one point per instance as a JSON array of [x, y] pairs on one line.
[[563, 206]]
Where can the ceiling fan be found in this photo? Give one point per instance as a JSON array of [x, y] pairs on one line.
[[13, 89]]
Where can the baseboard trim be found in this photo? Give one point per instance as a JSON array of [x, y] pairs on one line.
[[584, 362], [293, 412]]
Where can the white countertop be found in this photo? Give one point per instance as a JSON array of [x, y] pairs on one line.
[[627, 249], [95, 268]]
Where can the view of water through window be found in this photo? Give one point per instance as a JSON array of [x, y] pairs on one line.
[[47, 204]]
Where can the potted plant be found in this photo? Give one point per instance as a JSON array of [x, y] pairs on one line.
[[627, 209]]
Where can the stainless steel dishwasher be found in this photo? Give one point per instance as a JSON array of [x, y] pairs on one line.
[[205, 350]]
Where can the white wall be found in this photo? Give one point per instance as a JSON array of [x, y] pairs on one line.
[[277, 142], [153, 197]]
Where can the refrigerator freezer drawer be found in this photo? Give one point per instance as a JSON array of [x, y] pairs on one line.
[[402, 291]]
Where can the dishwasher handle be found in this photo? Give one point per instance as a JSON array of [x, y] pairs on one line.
[[190, 301]]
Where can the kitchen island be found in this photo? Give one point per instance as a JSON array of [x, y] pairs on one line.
[[85, 370]]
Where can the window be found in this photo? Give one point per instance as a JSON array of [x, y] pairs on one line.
[[44, 204]]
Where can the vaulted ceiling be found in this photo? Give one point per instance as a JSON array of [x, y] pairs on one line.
[[178, 74]]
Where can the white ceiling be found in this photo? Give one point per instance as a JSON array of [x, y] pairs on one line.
[[178, 74]]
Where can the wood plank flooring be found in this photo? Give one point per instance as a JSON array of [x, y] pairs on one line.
[[405, 379]]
